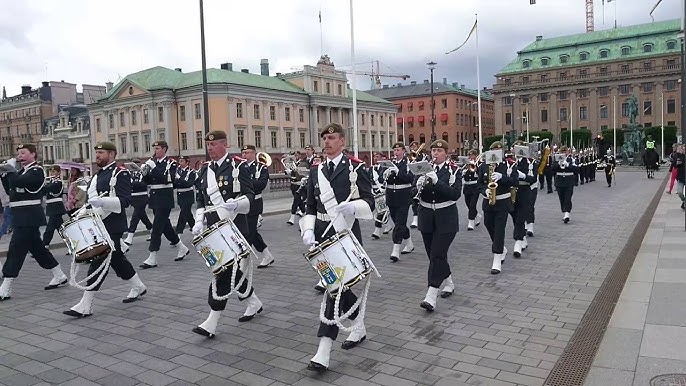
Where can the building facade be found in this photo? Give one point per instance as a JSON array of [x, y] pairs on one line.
[[67, 136], [278, 114], [584, 81], [456, 113]]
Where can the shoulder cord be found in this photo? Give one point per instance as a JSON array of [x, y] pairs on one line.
[[42, 183]]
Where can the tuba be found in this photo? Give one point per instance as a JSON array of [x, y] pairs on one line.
[[264, 158], [289, 162]]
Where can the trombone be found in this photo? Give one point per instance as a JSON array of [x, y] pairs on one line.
[[416, 153]]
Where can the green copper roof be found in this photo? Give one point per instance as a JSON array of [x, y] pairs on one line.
[[593, 43]]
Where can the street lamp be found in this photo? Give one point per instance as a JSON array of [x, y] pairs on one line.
[[514, 128], [432, 66]]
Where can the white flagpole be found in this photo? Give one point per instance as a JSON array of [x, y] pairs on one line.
[[478, 86], [354, 73]]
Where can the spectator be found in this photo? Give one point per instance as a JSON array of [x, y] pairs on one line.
[[76, 197], [680, 164], [672, 169]]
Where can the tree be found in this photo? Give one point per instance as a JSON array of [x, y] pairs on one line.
[[490, 139], [582, 138]]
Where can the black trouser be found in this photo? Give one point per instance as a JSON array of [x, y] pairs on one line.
[[531, 208], [139, 214], [415, 204], [608, 178], [185, 217], [121, 266], [26, 239], [541, 180], [54, 223], [471, 199], [378, 219], [548, 181], [399, 217], [580, 176], [519, 214], [564, 193], [161, 225], [298, 203], [224, 286], [495, 222], [436, 245], [255, 238]]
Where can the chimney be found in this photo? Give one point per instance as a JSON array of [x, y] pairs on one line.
[[278, 74], [456, 85], [413, 83], [264, 67], [226, 66], [25, 89], [539, 38], [245, 70], [445, 81], [485, 88], [426, 81], [178, 69], [45, 84], [461, 87], [108, 86]]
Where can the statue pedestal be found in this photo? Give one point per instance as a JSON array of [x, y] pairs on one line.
[[638, 159]]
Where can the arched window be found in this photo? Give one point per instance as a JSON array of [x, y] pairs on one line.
[[545, 61], [604, 53], [626, 50], [564, 58], [422, 138], [526, 63], [671, 44], [400, 138], [445, 136], [583, 56], [648, 47], [410, 138]]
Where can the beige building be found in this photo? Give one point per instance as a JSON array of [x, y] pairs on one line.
[[277, 114], [584, 80], [67, 136]]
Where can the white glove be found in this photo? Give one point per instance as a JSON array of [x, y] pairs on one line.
[[151, 163], [565, 164], [197, 228], [96, 202], [308, 237], [496, 176], [12, 162], [433, 177], [287, 171], [345, 208], [420, 181], [229, 205], [521, 175], [394, 169]]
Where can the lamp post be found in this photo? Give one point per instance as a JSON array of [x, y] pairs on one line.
[[514, 128], [432, 65]]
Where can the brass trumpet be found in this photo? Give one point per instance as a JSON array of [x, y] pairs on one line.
[[414, 154], [264, 158]]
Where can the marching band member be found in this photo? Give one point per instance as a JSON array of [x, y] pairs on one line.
[[225, 182], [139, 200], [565, 179], [376, 172], [610, 164], [24, 189], [548, 170], [160, 179], [329, 199], [495, 216], [522, 202], [184, 183], [114, 185], [398, 199], [260, 178], [54, 205], [531, 209], [470, 190], [439, 191], [419, 156], [298, 206]]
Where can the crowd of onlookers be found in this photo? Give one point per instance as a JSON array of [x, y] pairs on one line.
[[677, 163]]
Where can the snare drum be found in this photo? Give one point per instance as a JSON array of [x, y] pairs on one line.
[[86, 238], [221, 245], [380, 203], [340, 260]]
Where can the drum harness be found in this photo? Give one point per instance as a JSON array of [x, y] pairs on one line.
[[381, 190]]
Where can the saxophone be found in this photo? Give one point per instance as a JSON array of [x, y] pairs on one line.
[[492, 185], [513, 190]]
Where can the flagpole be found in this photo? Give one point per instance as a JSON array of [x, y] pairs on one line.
[[478, 84], [354, 73], [321, 33]]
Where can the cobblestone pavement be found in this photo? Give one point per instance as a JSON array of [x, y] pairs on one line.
[[496, 330]]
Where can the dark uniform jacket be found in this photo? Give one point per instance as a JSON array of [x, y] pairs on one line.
[[115, 223], [224, 178], [184, 183], [260, 178], [164, 173], [610, 163], [504, 186], [377, 181], [139, 190], [432, 218], [471, 179], [54, 204], [399, 197], [25, 191], [565, 177], [525, 185]]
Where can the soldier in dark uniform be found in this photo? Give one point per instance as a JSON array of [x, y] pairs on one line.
[[522, 201], [344, 209], [24, 188], [160, 175], [54, 204], [438, 220], [298, 206], [259, 172], [109, 193], [548, 171], [185, 193], [399, 181], [470, 190], [495, 216], [225, 182], [610, 164], [419, 156], [565, 179], [531, 210], [577, 166], [139, 200]]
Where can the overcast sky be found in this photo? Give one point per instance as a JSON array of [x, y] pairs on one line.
[[87, 41]]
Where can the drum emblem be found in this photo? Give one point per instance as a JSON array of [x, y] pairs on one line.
[[209, 256], [327, 272]]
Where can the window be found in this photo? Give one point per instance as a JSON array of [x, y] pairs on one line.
[[444, 103], [122, 119], [648, 47], [133, 117], [383, 142], [526, 63], [564, 58], [198, 139], [626, 50], [583, 56], [507, 100], [563, 75], [289, 139], [604, 53], [647, 87], [239, 110], [97, 124], [544, 116], [198, 112], [371, 119], [146, 118], [670, 85], [507, 81], [647, 108], [624, 69], [648, 124], [603, 112], [583, 113], [184, 141], [287, 113], [301, 115], [671, 64], [583, 73], [410, 137], [563, 114], [543, 97], [525, 99], [122, 144], [583, 93], [340, 90], [328, 88], [563, 95], [272, 113], [544, 78], [240, 137], [255, 113], [625, 109], [302, 139], [273, 139], [671, 45], [361, 116], [160, 114], [525, 80], [603, 127], [671, 106], [671, 123], [373, 140], [258, 139], [146, 142], [603, 71], [508, 118], [624, 89], [422, 138], [111, 121], [421, 123], [647, 66], [315, 85], [545, 61], [363, 140]]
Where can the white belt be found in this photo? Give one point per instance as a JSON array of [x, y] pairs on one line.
[[258, 196], [398, 187], [565, 174], [184, 190], [14, 204], [56, 199], [323, 217], [139, 194], [534, 186], [295, 182], [524, 183], [438, 205], [160, 186], [469, 182], [503, 196]]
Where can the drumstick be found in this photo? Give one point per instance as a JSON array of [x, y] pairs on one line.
[[334, 219], [88, 206]]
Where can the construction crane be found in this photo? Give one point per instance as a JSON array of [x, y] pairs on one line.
[[589, 13], [376, 75]]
